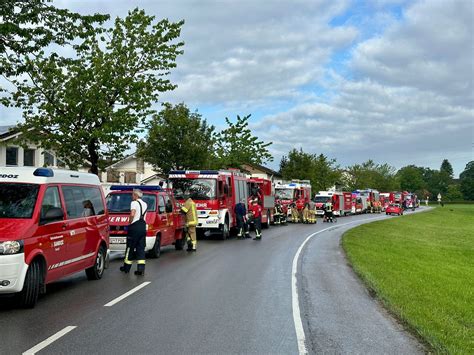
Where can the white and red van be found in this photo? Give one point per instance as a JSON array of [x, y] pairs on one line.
[[53, 223]]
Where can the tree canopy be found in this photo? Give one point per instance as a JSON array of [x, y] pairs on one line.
[[93, 106], [178, 139]]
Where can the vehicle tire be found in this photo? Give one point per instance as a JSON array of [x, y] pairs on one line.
[[31, 288], [225, 229], [156, 251], [386, 214], [96, 271], [267, 225], [180, 243]]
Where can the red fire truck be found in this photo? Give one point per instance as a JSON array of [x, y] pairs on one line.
[[296, 191], [215, 192], [341, 202], [164, 221], [359, 205], [262, 189], [373, 200]]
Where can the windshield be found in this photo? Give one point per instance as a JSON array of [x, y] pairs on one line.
[[197, 189], [284, 194], [17, 200], [120, 202], [398, 196], [319, 199]]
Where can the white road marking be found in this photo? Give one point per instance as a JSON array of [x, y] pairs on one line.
[[49, 341], [300, 336], [125, 295]]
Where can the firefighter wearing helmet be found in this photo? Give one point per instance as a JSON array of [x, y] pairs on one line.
[[189, 209]]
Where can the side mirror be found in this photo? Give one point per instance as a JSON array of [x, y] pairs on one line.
[[52, 215]]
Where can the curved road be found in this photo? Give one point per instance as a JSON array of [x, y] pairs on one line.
[[229, 297]]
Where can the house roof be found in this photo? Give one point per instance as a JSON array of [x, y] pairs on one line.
[[7, 131], [265, 169], [118, 163]]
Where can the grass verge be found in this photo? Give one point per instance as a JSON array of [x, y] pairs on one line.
[[421, 267]]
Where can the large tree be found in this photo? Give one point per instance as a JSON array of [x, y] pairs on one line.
[[93, 105], [27, 26], [178, 139], [322, 171], [447, 168], [467, 181], [371, 175], [411, 178], [236, 145]]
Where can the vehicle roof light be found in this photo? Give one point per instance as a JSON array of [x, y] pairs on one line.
[[139, 187], [44, 172]]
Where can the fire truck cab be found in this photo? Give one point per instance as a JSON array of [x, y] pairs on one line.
[[373, 200], [341, 202], [264, 191], [296, 191], [53, 223], [164, 221], [215, 192]]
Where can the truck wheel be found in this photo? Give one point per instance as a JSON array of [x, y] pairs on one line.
[[97, 270], [225, 229], [267, 225], [179, 244], [31, 288], [156, 251]]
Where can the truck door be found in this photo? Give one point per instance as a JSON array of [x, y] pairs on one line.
[[51, 234], [163, 225]]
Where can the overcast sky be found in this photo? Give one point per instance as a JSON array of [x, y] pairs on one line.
[[387, 80]]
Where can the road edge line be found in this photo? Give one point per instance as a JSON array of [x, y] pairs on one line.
[[126, 294], [300, 335], [49, 341]]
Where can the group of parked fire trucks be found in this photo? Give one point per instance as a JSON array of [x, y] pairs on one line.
[[58, 222]]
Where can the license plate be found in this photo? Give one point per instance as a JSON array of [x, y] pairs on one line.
[[118, 240]]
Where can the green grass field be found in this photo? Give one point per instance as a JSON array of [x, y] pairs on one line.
[[422, 268]]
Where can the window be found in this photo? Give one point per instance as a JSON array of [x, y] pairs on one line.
[[48, 159], [113, 176], [12, 156], [161, 205], [82, 201], [17, 200], [150, 201], [50, 200], [29, 157], [120, 202], [168, 204], [130, 177]]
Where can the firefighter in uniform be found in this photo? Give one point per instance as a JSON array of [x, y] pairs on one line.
[[295, 216], [189, 209], [312, 212], [241, 216], [306, 218], [256, 211], [136, 237], [328, 214]]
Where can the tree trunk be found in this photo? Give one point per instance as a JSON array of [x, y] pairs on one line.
[[93, 156]]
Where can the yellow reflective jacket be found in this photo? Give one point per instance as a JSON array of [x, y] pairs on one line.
[[189, 208]]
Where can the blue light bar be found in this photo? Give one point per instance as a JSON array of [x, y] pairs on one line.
[[291, 184], [139, 187], [44, 172]]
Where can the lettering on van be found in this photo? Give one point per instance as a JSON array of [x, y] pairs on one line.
[[201, 205], [8, 176], [57, 241], [117, 219]]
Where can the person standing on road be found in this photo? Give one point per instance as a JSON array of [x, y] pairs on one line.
[[241, 216], [135, 249], [256, 211], [189, 209]]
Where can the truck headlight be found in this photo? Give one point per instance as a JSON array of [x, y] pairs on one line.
[[11, 247]]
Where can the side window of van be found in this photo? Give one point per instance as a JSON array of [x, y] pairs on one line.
[[168, 204], [83, 201], [50, 200], [161, 205]]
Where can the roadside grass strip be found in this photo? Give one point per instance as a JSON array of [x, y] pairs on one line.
[[421, 267]]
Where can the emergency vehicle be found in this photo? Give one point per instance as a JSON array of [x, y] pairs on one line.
[[387, 198], [373, 200], [341, 202], [359, 204], [53, 223], [215, 192], [266, 196], [296, 191], [164, 222]]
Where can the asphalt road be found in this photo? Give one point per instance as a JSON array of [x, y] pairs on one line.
[[229, 297]]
